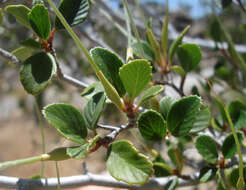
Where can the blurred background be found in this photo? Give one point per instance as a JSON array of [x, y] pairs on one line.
[[19, 129]]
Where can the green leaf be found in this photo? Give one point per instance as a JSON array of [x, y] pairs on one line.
[[206, 174], [229, 148], [162, 169], [22, 53], [148, 52], [31, 43], [20, 12], [135, 76], [40, 21], [235, 176], [237, 111], [109, 63], [155, 46], [150, 92], [179, 70], [93, 89], [206, 146], [176, 157], [176, 43], [189, 56], [37, 71], [165, 105], [202, 119], [1, 16], [226, 3], [152, 126], [74, 11], [126, 164], [67, 120], [80, 152], [93, 110], [182, 115]]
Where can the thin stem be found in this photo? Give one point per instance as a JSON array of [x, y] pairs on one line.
[[8, 164], [135, 30], [41, 126], [74, 36], [58, 177], [239, 151]]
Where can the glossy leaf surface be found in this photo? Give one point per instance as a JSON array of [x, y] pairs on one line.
[[207, 147], [152, 126], [74, 11], [126, 164], [182, 115], [67, 120]]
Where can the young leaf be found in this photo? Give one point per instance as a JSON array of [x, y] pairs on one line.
[[206, 146], [202, 119], [74, 11], [126, 164], [229, 148], [93, 109], [176, 43], [93, 89], [155, 46], [162, 169], [67, 120], [135, 76], [31, 43], [152, 126], [80, 152], [150, 92], [176, 158], [37, 71], [164, 37], [206, 174], [109, 63], [40, 21], [189, 56], [148, 52], [165, 105], [20, 12], [215, 30], [182, 115]]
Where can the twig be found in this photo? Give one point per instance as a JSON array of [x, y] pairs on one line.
[[89, 179], [9, 56], [181, 93]]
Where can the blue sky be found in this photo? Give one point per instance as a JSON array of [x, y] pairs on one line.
[[196, 8]]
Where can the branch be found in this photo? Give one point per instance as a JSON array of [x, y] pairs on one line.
[[9, 56], [180, 92], [88, 179]]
